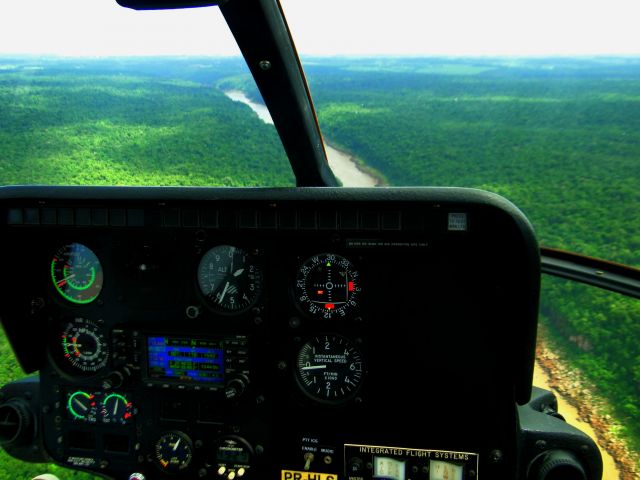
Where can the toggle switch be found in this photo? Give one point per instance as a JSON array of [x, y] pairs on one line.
[[308, 458]]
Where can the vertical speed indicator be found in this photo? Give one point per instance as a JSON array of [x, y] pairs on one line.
[[329, 369], [327, 286]]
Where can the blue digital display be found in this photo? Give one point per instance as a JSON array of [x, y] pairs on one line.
[[185, 359]]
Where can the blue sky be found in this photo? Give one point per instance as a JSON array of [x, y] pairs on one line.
[[330, 27]]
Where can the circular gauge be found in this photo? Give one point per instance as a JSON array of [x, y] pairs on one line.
[[76, 273], [329, 368], [327, 285], [82, 406], [83, 346], [116, 409], [229, 278], [174, 452]]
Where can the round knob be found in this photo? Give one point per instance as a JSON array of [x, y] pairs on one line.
[[235, 387], [16, 423], [557, 465], [116, 378]]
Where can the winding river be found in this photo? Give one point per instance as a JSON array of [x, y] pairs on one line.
[[344, 166], [346, 169]]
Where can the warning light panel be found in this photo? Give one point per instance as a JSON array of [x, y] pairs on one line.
[[400, 463]]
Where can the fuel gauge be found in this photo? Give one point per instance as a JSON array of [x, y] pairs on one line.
[[82, 406], [117, 409]]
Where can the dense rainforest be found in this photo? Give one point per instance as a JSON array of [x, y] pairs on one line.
[[558, 137], [131, 123]]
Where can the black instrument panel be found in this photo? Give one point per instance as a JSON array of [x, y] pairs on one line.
[[222, 333]]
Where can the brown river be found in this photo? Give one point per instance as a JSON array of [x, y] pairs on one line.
[[343, 165], [345, 168]]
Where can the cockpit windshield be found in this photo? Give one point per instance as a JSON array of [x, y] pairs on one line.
[[538, 101]]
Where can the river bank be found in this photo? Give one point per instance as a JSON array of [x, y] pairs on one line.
[[579, 406], [344, 165]]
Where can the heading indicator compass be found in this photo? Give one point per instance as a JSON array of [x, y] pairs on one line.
[[327, 286]]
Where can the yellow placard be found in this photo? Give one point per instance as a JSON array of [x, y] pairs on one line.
[[294, 475]]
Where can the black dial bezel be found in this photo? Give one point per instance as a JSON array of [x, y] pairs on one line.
[[344, 342], [303, 300], [71, 369], [252, 259], [75, 296], [183, 466]]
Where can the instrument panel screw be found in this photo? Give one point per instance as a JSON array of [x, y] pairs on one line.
[[294, 322], [198, 444], [495, 456], [282, 365], [36, 304], [259, 449], [541, 444], [46, 409], [257, 320], [202, 472], [265, 65]]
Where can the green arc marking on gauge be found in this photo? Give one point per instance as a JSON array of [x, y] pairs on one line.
[[117, 395], [73, 292], [65, 295], [89, 283], [70, 407]]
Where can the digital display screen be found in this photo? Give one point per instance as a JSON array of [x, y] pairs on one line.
[[439, 470], [386, 468], [237, 455], [185, 359]]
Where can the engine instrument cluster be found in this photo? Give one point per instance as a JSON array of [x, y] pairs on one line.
[[294, 334]]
